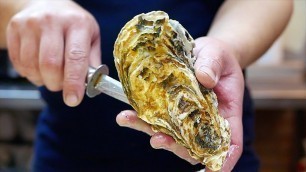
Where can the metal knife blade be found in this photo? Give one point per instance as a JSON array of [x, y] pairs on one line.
[[98, 82]]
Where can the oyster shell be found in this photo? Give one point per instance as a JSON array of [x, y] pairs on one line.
[[154, 60]]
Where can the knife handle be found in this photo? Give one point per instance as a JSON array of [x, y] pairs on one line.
[[111, 87], [98, 82], [93, 76]]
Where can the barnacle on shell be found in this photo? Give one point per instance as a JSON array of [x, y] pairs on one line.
[[154, 60]]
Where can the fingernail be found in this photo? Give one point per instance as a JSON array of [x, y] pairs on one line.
[[160, 137], [123, 121], [232, 150], [159, 141], [71, 100], [123, 114]]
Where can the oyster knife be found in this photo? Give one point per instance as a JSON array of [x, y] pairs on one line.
[[98, 82]]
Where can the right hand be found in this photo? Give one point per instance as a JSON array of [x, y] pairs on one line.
[[52, 43]]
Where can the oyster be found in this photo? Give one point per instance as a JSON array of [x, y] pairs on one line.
[[154, 60]]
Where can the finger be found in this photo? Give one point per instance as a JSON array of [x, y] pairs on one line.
[[208, 66], [77, 48], [233, 155], [236, 147], [13, 43], [163, 141], [235, 150], [29, 58], [129, 119], [95, 52], [51, 58]]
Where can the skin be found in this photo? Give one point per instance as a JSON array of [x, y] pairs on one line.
[[52, 43]]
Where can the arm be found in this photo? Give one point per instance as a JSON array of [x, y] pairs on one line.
[[250, 27]]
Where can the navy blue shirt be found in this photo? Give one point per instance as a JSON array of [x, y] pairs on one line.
[[86, 137]]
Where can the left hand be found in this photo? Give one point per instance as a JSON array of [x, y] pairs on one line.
[[216, 67]]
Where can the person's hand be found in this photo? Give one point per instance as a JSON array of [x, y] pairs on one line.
[[216, 67], [52, 43]]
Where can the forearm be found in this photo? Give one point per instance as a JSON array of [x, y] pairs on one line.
[[8, 8], [250, 27]]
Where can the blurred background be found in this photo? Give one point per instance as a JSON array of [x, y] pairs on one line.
[[278, 85], [277, 82]]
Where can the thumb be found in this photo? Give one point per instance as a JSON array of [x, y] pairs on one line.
[[208, 68], [209, 63]]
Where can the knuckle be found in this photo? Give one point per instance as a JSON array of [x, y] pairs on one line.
[[51, 63], [47, 17], [77, 55], [14, 22], [74, 67], [33, 21], [40, 19], [73, 78], [29, 68], [80, 17], [83, 20]]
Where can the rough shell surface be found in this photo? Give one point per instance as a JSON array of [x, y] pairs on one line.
[[154, 60]]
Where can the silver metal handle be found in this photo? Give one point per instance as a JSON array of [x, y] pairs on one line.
[[98, 81]]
